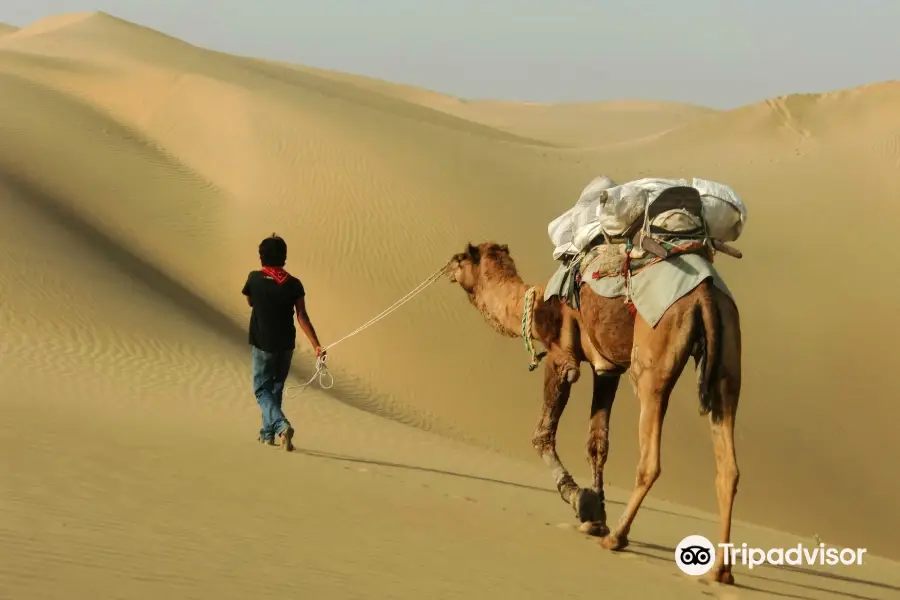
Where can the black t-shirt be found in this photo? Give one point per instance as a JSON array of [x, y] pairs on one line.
[[272, 317]]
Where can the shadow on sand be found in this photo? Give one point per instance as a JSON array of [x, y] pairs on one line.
[[652, 551]]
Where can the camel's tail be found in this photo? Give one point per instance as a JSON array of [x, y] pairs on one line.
[[708, 356]]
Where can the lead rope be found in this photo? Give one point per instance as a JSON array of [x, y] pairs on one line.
[[321, 365]]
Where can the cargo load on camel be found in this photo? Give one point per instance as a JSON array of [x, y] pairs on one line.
[[658, 207], [615, 233]]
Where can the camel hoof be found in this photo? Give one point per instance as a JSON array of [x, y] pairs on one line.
[[723, 576], [594, 528], [614, 542], [589, 506], [572, 375]]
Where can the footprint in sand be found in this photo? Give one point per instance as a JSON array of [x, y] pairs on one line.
[[457, 497]]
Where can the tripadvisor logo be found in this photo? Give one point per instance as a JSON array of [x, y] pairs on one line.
[[695, 555]]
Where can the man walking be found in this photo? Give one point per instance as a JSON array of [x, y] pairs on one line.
[[274, 295]]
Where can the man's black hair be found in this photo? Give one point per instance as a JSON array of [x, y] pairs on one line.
[[273, 251]]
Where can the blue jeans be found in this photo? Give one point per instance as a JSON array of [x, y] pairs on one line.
[[270, 370]]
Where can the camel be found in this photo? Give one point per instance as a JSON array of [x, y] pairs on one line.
[[613, 339]]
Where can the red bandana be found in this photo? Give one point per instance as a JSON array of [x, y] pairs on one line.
[[276, 273]]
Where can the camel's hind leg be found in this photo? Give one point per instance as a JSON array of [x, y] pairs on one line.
[[721, 420], [727, 476], [558, 381], [658, 358], [605, 387]]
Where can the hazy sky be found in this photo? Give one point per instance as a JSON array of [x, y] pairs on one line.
[[719, 53]]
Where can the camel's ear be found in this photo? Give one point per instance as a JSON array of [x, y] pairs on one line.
[[473, 253], [504, 248]]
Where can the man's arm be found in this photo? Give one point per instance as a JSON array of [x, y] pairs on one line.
[[306, 325], [246, 292]]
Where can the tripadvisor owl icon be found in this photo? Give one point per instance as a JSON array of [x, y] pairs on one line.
[[695, 555]]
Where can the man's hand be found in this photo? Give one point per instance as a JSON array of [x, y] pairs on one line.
[[320, 352]]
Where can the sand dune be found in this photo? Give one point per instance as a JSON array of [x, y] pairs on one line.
[[137, 175], [581, 124]]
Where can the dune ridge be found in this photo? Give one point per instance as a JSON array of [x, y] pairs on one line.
[[571, 124], [137, 174]]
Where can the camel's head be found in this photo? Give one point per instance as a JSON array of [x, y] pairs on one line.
[[486, 260]]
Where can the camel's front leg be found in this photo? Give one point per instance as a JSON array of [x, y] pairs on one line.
[[605, 387], [557, 387]]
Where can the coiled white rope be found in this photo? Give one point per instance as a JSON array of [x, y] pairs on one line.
[[322, 368], [527, 324]]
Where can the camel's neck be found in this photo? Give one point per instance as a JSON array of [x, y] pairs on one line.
[[501, 304]]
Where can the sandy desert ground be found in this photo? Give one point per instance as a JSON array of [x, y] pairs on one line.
[[137, 175]]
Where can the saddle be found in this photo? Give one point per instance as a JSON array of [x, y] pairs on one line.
[[677, 213]]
